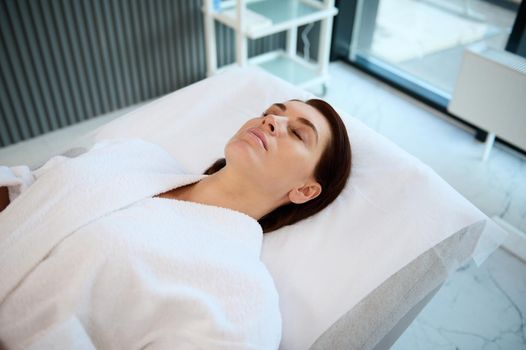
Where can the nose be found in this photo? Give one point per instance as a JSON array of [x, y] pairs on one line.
[[271, 124]]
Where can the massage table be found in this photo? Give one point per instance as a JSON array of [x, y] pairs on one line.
[[355, 275]]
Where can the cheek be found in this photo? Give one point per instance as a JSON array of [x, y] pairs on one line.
[[296, 161]]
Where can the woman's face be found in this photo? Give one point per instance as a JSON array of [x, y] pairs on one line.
[[280, 149]]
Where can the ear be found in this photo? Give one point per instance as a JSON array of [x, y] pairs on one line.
[[300, 195]]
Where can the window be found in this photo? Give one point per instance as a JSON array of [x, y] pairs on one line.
[[418, 44]]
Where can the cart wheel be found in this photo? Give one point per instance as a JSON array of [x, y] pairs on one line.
[[319, 92], [323, 89]]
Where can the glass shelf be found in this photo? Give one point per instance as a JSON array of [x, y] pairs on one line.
[[289, 69], [279, 11], [274, 15]]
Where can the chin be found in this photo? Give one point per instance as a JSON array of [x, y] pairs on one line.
[[241, 154]]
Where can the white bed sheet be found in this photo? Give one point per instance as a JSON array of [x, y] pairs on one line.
[[393, 209]]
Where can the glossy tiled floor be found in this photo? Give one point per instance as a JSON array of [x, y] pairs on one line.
[[477, 308]]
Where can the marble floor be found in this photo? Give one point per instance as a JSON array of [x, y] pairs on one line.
[[478, 307]]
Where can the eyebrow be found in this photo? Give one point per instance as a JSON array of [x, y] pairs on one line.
[[302, 120], [280, 106]]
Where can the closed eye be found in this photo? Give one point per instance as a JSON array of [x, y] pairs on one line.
[[296, 134]]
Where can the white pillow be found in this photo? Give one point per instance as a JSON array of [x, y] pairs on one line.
[[393, 209]]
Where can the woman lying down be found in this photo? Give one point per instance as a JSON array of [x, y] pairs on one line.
[[119, 249]]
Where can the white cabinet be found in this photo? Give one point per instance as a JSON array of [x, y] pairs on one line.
[[490, 93], [259, 18]]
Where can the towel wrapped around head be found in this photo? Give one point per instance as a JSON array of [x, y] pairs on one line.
[[89, 259]]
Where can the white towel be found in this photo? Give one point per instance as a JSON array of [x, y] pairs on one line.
[[88, 259]]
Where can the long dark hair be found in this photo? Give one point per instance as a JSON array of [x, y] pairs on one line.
[[332, 171]]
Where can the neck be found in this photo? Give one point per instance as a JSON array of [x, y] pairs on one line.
[[225, 189]]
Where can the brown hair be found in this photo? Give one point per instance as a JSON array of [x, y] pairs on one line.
[[332, 171]]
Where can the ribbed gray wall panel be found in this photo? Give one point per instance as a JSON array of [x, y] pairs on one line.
[[65, 61]]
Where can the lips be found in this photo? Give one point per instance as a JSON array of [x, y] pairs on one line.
[[259, 134]]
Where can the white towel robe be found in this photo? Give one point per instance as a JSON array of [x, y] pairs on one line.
[[130, 272]]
